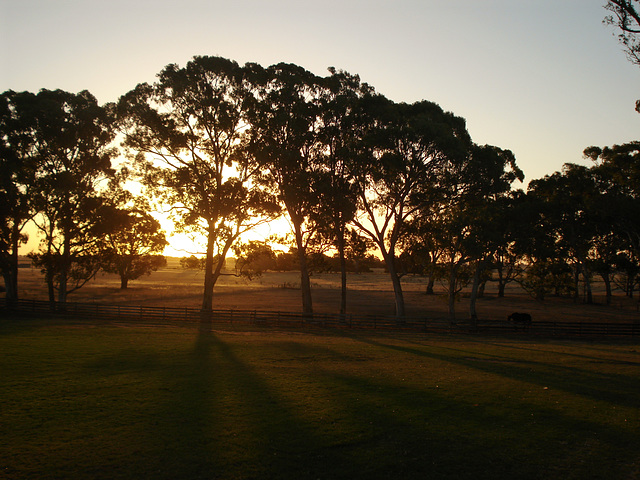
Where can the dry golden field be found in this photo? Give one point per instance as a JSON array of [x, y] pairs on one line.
[[369, 293]]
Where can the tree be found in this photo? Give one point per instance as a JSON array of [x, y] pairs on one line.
[[405, 148], [489, 174], [18, 166], [284, 127], [253, 258], [72, 138], [625, 14], [188, 131], [192, 263], [508, 259], [616, 173], [571, 197], [134, 243], [340, 132]]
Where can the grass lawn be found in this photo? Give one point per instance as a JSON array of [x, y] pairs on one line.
[[95, 401]]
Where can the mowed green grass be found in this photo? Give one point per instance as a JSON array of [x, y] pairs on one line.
[[124, 402]]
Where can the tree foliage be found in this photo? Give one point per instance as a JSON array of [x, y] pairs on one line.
[[134, 242], [72, 138], [625, 15], [18, 170], [188, 131], [224, 147]]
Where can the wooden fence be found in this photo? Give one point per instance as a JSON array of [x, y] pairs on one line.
[[147, 315]]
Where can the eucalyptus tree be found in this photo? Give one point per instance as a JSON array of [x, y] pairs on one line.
[[616, 171], [508, 260], [188, 132], [18, 166], [406, 148], [285, 121], [340, 134], [488, 176], [572, 199], [625, 14], [73, 143], [134, 243]]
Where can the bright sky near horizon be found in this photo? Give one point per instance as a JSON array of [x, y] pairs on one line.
[[545, 78]]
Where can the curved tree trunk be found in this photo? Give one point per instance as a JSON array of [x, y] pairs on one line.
[[395, 281]]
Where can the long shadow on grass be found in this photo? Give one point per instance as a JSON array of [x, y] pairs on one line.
[[230, 423], [616, 389], [400, 430]]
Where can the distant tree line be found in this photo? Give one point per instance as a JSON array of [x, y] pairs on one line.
[[227, 147]]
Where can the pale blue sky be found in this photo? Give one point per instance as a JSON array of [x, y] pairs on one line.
[[543, 78]]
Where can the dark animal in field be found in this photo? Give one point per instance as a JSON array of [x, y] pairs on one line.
[[523, 319]]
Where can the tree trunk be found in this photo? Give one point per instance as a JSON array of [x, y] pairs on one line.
[[11, 283], [343, 272], [481, 289], [207, 295], [124, 282], [395, 281], [430, 284], [501, 281], [305, 282], [10, 275], [587, 281], [473, 314], [607, 285], [576, 284], [501, 286], [452, 293], [65, 262], [8, 283]]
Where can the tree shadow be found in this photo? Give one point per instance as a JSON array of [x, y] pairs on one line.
[[617, 389]]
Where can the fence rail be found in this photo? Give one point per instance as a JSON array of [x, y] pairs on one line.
[[185, 316]]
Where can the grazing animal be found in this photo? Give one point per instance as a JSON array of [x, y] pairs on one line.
[[523, 319]]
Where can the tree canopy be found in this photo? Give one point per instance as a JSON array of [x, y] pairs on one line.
[[223, 147]]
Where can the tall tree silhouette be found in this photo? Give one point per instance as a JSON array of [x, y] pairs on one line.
[[407, 146], [284, 127], [72, 140], [341, 131], [188, 132], [18, 168]]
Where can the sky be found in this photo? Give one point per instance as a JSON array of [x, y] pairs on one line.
[[543, 78]]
